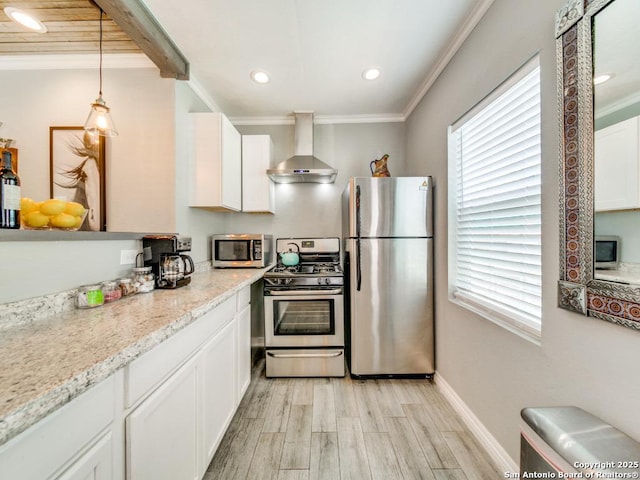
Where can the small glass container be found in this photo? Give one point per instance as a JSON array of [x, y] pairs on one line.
[[126, 287], [89, 296], [111, 291], [143, 279]]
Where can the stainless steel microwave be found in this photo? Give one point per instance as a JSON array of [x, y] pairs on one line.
[[607, 252], [241, 250]]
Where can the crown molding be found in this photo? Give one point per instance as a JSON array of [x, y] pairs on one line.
[[321, 119], [203, 94], [465, 30]]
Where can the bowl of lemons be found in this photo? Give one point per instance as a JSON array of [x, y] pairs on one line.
[[52, 214]]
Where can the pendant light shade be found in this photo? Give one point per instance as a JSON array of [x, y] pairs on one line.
[[99, 120]]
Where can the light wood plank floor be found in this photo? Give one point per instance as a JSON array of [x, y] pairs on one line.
[[341, 428]]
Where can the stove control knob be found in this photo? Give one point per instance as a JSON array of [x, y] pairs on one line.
[[319, 281], [327, 281]]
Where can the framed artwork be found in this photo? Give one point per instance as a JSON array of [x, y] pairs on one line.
[[77, 172]]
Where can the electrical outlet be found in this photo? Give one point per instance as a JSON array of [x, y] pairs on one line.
[[128, 257]]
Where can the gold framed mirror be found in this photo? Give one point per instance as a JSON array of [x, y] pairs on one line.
[[580, 26]]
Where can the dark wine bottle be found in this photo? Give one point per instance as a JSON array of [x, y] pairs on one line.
[[9, 193]]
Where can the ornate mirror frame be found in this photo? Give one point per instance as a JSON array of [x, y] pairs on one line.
[[578, 291]]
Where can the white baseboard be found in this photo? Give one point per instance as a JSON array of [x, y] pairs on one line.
[[491, 445]]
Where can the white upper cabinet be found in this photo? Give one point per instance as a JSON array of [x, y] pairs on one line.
[[216, 163], [617, 166], [258, 191]]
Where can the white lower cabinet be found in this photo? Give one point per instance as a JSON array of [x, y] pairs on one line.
[[218, 387], [75, 442], [162, 430], [95, 464], [174, 432], [161, 417]]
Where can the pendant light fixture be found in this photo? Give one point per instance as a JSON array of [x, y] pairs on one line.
[[99, 120]]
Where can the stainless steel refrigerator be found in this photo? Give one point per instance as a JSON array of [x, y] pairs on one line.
[[388, 264]]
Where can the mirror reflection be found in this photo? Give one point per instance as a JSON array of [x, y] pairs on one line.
[[616, 48]]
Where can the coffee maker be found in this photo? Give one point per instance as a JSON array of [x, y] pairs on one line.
[[164, 254]]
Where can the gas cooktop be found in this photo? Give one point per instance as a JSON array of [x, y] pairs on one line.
[[308, 269], [319, 263]]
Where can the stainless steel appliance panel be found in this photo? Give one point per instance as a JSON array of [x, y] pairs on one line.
[[388, 207], [304, 318], [241, 250], [391, 315], [301, 362]]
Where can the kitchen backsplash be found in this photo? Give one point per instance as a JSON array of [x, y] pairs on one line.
[[39, 308]]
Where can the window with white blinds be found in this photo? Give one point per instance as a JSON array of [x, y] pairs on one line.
[[494, 205]]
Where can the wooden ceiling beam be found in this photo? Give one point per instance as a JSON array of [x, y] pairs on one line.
[[137, 22]]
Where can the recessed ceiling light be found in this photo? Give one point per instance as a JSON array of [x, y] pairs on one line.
[[260, 76], [602, 78], [25, 19], [371, 73]]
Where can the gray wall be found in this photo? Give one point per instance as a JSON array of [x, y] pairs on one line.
[[31, 269], [581, 361], [313, 209]]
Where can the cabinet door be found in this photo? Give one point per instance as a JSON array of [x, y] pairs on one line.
[[53, 443], [96, 464], [162, 431], [218, 388], [215, 163], [616, 166], [258, 190], [231, 166], [244, 351]]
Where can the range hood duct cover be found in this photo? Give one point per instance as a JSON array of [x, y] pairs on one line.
[[303, 167]]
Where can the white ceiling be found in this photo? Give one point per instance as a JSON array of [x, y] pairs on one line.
[[315, 52]]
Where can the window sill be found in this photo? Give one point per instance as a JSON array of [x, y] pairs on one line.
[[512, 325]]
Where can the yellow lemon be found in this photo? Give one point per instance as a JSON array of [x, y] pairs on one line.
[[27, 205], [53, 206], [78, 221], [36, 219], [74, 208], [63, 220]]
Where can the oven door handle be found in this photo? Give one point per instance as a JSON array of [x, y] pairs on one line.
[[287, 293], [305, 355]]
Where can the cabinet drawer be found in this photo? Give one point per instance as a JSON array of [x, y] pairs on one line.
[[243, 298], [50, 444], [144, 373]]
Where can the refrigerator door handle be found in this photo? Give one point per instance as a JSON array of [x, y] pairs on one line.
[[358, 260]]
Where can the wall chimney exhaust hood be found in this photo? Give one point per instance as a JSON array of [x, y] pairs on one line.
[[303, 167]]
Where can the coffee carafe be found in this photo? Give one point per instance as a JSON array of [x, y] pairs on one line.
[[164, 253], [174, 269]]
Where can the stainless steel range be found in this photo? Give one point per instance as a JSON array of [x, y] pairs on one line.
[[304, 311]]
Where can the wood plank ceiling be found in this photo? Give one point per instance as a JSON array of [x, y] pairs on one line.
[[73, 27]]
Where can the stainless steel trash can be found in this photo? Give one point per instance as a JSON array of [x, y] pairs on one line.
[[568, 440]]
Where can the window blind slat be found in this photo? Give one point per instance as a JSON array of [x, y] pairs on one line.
[[496, 230]]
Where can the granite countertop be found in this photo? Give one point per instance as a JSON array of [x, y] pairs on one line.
[[46, 363]]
